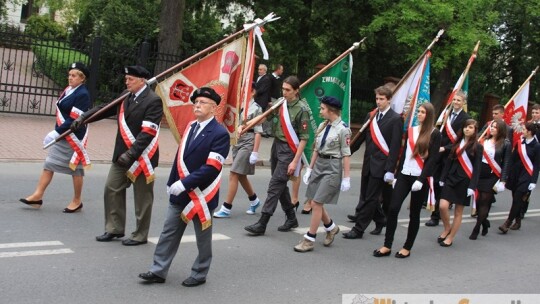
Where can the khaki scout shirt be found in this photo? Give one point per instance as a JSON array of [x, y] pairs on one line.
[[299, 115], [337, 141], [254, 110]]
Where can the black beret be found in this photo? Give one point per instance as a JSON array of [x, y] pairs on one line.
[[331, 101], [81, 67], [137, 71], [206, 92]]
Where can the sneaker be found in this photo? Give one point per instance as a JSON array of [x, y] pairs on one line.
[[304, 246], [330, 236], [253, 208], [222, 213]]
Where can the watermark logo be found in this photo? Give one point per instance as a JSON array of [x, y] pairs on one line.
[[440, 298]]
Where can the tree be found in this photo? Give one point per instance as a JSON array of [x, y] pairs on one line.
[[171, 25]]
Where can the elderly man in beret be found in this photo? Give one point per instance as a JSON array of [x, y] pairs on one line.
[[135, 157], [193, 189]]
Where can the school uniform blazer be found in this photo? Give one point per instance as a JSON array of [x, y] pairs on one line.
[[519, 178], [453, 167], [148, 108], [433, 154], [213, 138], [376, 163], [509, 131], [79, 99], [503, 157], [457, 125]]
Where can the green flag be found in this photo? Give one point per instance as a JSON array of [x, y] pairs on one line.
[[335, 82]]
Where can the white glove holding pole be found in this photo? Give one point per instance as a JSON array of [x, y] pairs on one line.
[[499, 187], [470, 192], [306, 176], [394, 183], [416, 186], [345, 184], [176, 188], [441, 183], [253, 158], [388, 177], [51, 136], [531, 186]]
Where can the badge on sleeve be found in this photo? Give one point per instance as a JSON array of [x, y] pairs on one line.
[[304, 125], [348, 140]]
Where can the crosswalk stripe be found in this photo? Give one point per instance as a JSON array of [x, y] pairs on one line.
[[31, 244], [34, 253], [191, 238]]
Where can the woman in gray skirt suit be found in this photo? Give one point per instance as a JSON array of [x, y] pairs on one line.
[[67, 156], [329, 162]]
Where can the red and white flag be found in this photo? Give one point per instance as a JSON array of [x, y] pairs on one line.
[[515, 111]]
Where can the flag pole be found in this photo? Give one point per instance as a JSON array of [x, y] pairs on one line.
[[402, 80], [257, 120], [258, 22], [515, 95], [461, 80]]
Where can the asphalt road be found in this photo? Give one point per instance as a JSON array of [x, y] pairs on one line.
[[50, 257]]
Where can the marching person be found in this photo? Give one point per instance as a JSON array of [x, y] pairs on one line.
[[493, 173], [535, 119], [135, 157], [449, 134], [383, 140], [523, 176], [193, 187], [67, 156], [245, 156], [459, 179], [416, 169], [290, 138], [497, 112], [328, 173]]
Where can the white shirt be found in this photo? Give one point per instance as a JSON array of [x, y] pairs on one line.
[[202, 125], [489, 148]]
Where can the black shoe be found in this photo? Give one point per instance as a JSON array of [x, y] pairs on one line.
[[432, 223], [192, 282], [296, 206], [485, 227], [377, 253], [107, 237], [352, 218], [33, 204], [151, 277], [474, 235], [441, 238], [304, 211], [377, 230], [443, 244], [399, 255], [130, 242], [260, 227], [353, 234], [67, 210]]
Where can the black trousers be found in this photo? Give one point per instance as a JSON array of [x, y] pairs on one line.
[[379, 217], [370, 192], [518, 200], [401, 190]]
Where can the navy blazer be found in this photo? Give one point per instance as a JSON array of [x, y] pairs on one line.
[[519, 178], [79, 99], [453, 167], [213, 138]]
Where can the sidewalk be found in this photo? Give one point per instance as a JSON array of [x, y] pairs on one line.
[[21, 140]]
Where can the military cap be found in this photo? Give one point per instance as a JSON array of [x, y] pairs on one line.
[[81, 67], [206, 92], [331, 101], [137, 71]]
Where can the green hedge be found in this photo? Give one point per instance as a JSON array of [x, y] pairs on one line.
[[44, 26], [54, 59]]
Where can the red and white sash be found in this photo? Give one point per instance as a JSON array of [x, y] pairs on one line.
[[492, 163], [290, 135], [80, 155], [525, 160], [411, 143], [450, 131], [143, 163], [467, 166], [199, 198], [377, 136]]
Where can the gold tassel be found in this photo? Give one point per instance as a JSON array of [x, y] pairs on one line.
[[184, 218], [150, 179], [206, 224], [131, 177]]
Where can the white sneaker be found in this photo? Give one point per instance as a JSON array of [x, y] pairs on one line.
[[222, 213], [253, 208]]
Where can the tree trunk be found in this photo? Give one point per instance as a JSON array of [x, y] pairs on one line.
[[440, 94], [171, 24]]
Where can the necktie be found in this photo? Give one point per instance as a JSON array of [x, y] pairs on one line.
[[379, 116], [454, 115], [193, 134], [323, 141]]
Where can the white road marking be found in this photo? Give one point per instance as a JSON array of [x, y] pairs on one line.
[[192, 239], [31, 244], [34, 253], [303, 230]]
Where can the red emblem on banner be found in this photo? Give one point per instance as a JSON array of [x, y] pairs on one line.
[[180, 91], [231, 60]]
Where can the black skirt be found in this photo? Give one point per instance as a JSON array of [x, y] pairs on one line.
[[455, 190]]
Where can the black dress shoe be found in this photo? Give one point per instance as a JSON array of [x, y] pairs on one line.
[[107, 237], [33, 204], [192, 282], [432, 223], [67, 210], [399, 255], [130, 242], [377, 253], [443, 244], [377, 230], [151, 277], [352, 218], [353, 234]]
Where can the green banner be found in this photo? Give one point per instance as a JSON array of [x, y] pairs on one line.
[[335, 82]]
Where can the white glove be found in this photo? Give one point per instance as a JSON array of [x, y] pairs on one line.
[[470, 192], [388, 177], [394, 183], [532, 186], [441, 183], [50, 137], [168, 190], [253, 158], [345, 184], [499, 187], [176, 188], [306, 176], [416, 186]]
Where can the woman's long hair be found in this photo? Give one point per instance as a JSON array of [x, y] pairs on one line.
[[422, 144], [502, 132], [469, 143]]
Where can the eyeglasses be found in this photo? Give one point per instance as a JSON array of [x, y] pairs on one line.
[[202, 102]]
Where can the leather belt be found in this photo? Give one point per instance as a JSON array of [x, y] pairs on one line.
[[329, 156]]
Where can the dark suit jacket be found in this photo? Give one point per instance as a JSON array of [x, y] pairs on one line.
[[376, 163], [433, 154], [519, 179], [79, 99], [453, 167], [264, 87], [148, 108], [213, 138], [275, 92], [503, 157], [457, 125]]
